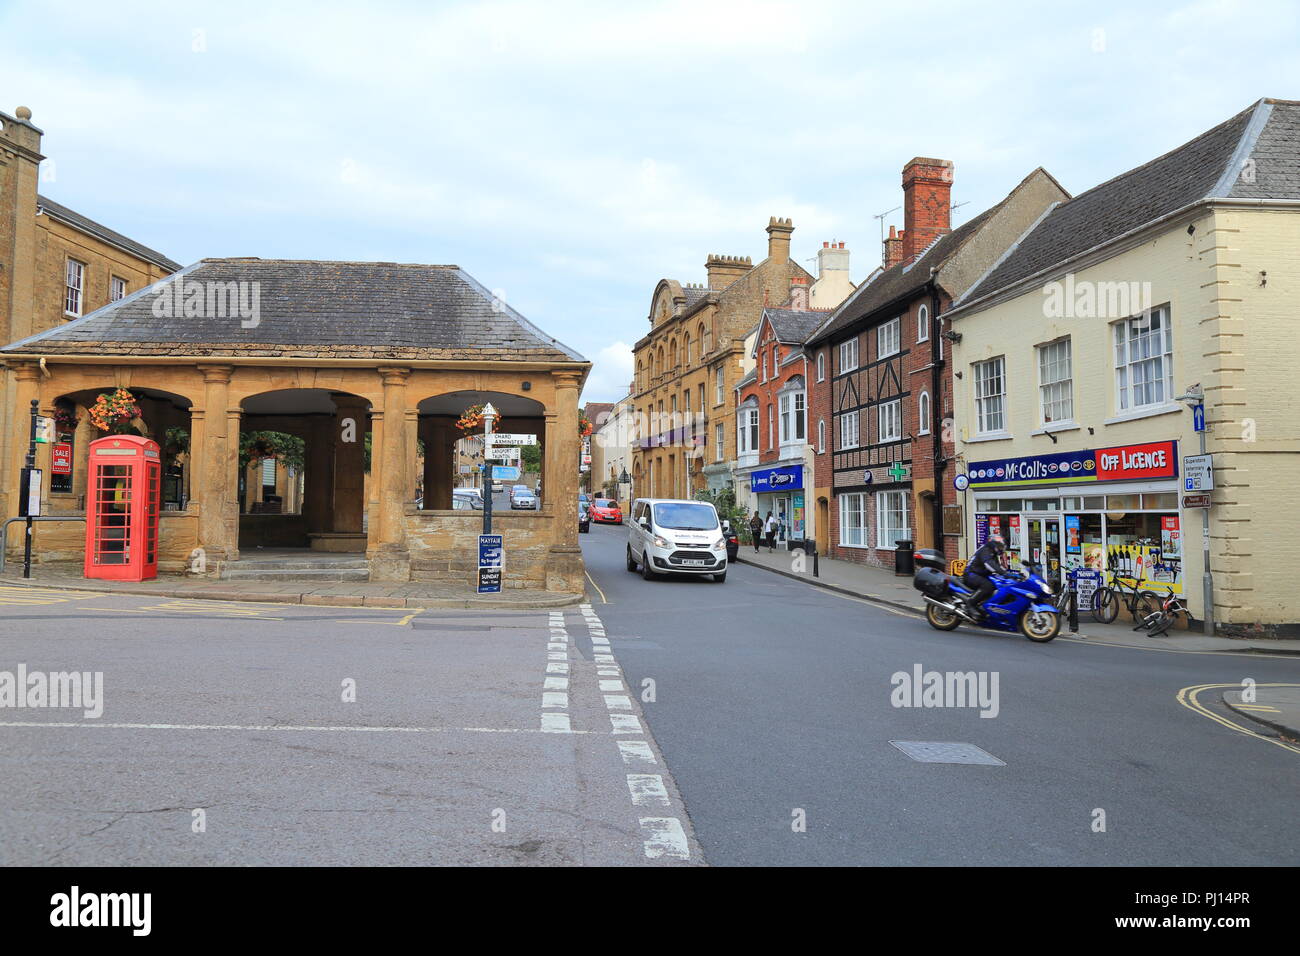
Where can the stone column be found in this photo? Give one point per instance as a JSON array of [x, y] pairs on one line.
[[564, 571], [550, 450], [349, 463], [318, 490], [213, 485], [389, 559]]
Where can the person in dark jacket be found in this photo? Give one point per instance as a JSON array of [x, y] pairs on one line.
[[984, 563], [756, 530]]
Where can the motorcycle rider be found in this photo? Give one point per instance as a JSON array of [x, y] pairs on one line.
[[984, 563]]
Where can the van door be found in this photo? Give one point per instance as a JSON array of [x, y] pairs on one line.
[[635, 536]]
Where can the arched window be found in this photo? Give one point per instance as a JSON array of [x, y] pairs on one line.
[[821, 366], [821, 435], [923, 324], [923, 414]]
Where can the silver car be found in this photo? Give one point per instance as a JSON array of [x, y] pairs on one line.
[[522, 499]]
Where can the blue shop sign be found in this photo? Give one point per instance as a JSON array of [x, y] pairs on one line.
[[776, 479], [1060, 468]]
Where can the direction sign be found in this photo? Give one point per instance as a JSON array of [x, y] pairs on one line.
[[1196, 501], [45, 430], [505, 473], [1198, 473], [502, 454], [508, 439]]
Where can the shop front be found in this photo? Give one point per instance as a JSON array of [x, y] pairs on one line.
[[1109, 510], [781, 491]]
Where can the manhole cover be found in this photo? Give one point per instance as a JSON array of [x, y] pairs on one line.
[[933, 751]]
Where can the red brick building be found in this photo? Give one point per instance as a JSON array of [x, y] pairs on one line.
[[881, 384]]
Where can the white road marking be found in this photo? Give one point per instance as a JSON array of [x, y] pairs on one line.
[[665, 838], [557, 656], [556, 683], [618, 702], [609, 670], [293, 728], [626, 724], [557, 667], [553, 698], [556, 724], [647, 789], [636, 751], [612, 685], [604, 658]]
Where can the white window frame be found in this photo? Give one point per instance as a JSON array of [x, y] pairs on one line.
[[786, 410], [986, 400], [889, 414], [771, 425], [1050, 392], [849, 434], [116, 288], [821, 436], [719, 440], [923, 413], [854, 534], [923, 324], [753, 428], [884, 530], [718, 386], [889, 338], [763, 377], [74, 287], [821, 366], [1133, 335], [849, 355]]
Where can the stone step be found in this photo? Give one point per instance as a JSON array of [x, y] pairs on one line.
[[331, 562], [315, 575]]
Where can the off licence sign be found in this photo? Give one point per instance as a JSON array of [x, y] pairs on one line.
[[1152, 460]]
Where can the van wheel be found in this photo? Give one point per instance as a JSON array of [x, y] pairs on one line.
[[631, 561], [720, 577], [646, 571]]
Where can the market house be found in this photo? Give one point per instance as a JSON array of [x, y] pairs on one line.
[[359, 370]]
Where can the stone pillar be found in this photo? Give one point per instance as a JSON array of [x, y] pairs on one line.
[[318, 490], [213, 485], [564, 570], [550, 450], [389, 558], [349, 463]]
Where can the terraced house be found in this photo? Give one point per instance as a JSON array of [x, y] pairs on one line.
[[1171, 285], [881, 381]]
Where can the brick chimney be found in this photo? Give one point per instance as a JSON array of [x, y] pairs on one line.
[[778, 239], [724, 270], [893, 248], [798, 299], [927, 202]]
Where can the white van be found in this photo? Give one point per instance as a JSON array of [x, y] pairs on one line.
[[677, 536]]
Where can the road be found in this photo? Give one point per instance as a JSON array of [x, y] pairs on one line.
[[675, 722], [773, 700]]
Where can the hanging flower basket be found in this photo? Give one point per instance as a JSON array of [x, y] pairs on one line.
[[585, 427], [471, 421], [114, 412], [65, 420]]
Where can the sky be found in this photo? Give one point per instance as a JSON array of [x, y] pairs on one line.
[[570, 155]]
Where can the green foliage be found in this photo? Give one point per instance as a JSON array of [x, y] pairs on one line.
[[532, 458], [288, 449], [725, 503]]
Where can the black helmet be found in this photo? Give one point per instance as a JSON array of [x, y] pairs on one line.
[[997, 542]]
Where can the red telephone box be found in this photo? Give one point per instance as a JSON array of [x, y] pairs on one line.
[[122, 502]]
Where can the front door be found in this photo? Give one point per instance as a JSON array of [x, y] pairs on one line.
[[1041, 543]]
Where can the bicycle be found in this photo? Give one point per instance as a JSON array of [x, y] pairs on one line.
[[1107, 599], [1160, 621]]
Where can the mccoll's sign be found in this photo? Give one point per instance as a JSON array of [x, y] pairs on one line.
[[1147, 461]]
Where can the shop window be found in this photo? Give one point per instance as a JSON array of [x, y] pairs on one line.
[[853, 520], [1162, 502], [891, 518], [1094, 503], [1118, 504]]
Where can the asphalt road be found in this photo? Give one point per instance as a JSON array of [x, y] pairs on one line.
[[773, 703]]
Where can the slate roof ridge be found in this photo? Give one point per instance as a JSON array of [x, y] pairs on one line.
[[527, 325], [335, 262], [100, 231]]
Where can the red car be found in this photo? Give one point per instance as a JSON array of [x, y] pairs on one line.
[[606, 511]]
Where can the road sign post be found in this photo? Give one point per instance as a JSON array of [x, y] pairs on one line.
[[489, 416], [31, 479]]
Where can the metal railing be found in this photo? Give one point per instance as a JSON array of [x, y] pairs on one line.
[[4, 531]]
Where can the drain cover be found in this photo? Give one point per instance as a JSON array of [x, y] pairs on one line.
[[933, 751]]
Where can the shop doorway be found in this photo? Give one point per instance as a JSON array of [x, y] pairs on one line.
[[1042, 544]]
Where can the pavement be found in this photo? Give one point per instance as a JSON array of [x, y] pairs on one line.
[[345, 594], [1277, 707], [884, 587]]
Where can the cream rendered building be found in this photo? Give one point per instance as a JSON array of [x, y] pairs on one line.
[[1175, 277]]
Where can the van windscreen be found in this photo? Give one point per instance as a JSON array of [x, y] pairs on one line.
[[686, 516]]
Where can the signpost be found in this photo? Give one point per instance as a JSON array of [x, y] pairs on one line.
[[505, 473], [1194, 398], [489, 416], [1198, 473], [29, 491], [1196, 501]]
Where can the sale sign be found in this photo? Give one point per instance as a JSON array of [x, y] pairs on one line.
[[61, 458], [1129, 462]]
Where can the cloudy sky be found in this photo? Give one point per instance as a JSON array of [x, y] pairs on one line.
[[572, 154]]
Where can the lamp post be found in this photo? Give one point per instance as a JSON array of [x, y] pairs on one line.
[[1193, 397], [625, 479], [489, 415]]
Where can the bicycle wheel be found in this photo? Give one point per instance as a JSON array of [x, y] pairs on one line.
[[1145, 605], [1105, 605], [1162, 625]]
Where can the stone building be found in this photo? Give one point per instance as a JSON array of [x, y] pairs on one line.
[[362, 362], [56, 265], [687, 367]]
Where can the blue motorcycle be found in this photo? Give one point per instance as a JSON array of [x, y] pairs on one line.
[[1024, 604]]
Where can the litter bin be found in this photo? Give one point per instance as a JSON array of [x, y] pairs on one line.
[[904, 562]]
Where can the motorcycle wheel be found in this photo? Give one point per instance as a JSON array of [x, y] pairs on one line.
[[1040, 626], [941, 619]]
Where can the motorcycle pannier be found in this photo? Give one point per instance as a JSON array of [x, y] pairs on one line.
[[931, 581], [929, 558]]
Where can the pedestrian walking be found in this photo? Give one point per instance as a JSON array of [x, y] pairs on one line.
[[756, 530], [771, 528]]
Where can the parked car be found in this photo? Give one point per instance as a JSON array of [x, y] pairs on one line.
[[677, 536], [584, 520], [463, 500], [732, 539], [522, 498], [606, 511], [497, 487]]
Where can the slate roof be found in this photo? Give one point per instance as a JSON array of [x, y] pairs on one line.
[[693, 295], [900, 281], [794, 327], [90, 227], [1264, 140], [314, 309]]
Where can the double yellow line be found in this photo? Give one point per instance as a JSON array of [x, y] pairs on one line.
[[1189, 698]]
